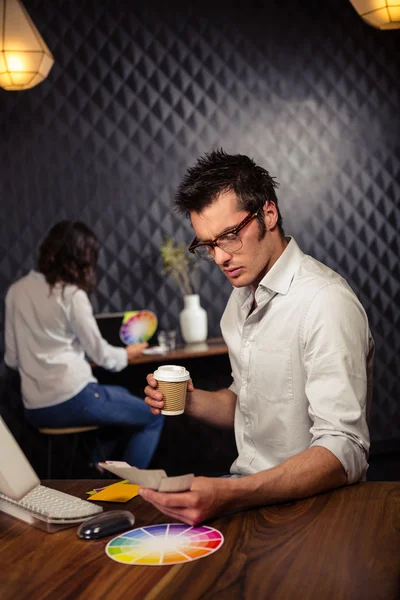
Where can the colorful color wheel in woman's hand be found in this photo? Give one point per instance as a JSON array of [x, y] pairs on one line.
[[139, 326]]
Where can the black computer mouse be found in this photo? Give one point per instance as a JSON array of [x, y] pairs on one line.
[[106, 523]]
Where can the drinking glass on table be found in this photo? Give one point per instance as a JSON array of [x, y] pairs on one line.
[[167, 339]]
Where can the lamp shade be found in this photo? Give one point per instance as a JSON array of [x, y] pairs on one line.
[[383, 14], [25, 60]]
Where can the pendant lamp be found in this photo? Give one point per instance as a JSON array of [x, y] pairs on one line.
[[25, 60], [382, 14]]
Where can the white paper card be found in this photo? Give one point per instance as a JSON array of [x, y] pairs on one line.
[[176, 484], [155, 479]]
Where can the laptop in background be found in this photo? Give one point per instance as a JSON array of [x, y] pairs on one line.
[[139, 325], [109, 325]]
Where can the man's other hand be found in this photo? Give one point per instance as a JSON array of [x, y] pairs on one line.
[[204, 500]]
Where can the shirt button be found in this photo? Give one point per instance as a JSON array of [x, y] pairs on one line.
[[247, 343], [96, 395]]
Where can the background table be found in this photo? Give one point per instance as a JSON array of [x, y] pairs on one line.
[[342, 545], [211, 347]]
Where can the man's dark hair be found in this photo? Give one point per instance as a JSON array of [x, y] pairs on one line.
[[69, 254], [219, 172]]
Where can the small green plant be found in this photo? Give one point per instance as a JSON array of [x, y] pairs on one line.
[[179, 263]]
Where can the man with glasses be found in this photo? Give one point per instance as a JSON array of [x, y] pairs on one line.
[[299, 345]]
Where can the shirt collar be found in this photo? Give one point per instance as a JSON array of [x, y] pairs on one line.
[[36, 274], [280, 276]]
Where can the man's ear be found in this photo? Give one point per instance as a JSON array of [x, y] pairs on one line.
[[270, 214]]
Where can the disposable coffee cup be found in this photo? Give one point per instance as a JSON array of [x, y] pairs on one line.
[[172, 382]]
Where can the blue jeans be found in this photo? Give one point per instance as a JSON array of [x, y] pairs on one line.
[[118, 411]]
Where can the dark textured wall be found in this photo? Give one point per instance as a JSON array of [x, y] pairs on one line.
[[140, 89]]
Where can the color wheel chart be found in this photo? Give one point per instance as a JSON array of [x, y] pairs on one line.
[[137, 326], [160, 545]]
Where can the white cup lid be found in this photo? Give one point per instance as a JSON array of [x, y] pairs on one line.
[[171, 373]]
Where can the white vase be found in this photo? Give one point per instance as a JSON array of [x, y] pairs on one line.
[[193, 320]]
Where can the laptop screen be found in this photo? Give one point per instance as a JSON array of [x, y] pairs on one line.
[[17, 477], [109, 325]]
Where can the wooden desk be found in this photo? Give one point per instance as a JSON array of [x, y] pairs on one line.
[[212, 347], [342, 545]]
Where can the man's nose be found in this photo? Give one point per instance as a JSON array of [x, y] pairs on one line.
[[221, 256]]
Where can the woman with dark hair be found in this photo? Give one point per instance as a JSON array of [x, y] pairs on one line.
[[50, 328]]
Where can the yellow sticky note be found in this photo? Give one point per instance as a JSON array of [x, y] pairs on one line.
[[117, 492], [91, 492]]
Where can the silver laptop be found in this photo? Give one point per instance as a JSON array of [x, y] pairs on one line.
[[23, 497]]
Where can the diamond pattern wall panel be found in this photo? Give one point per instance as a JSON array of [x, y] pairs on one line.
[[140, 89]]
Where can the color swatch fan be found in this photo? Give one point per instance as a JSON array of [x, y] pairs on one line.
[[137, 326]]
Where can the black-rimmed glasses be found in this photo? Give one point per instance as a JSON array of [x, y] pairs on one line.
[[228, 242]]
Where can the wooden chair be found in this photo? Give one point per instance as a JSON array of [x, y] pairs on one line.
[[72, 431]]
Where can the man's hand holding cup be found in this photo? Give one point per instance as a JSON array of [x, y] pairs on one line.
[[166, 390]]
